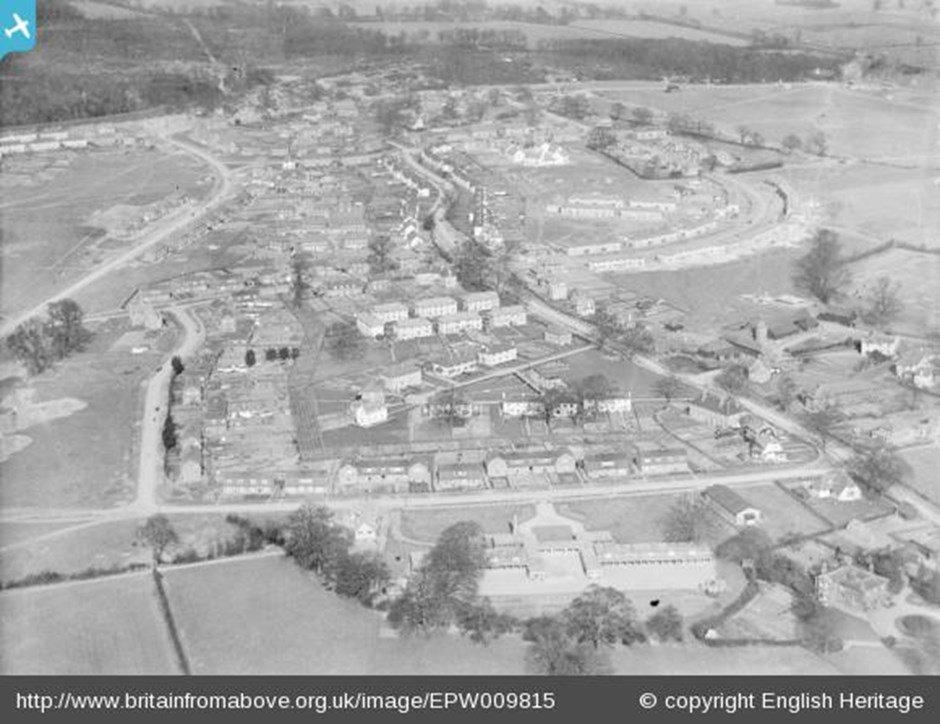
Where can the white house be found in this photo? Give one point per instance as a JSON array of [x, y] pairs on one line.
[[493, 356], [558, 335], [390, 312], [434, 307], [369, 325], [480, 301], [459, 322], [454, 366], [520, 407], [401, 377], [510, 316], [881, 343], [413, 328]]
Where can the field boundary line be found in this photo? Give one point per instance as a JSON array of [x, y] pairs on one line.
[[167, 613]]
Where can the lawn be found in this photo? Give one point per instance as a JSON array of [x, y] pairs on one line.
[[781, 515], [102, 545], [917, 276], [633, 519], [88, 458], [266, 616], [106, 626], [47, 227], [925, 461], [427, 525]]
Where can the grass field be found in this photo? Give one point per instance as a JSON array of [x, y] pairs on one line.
[[781, 514], [919, 278], [87, 458], [925, 461], [103, 545], [265, 616], [107, 626], [46, 227], [427, 525]]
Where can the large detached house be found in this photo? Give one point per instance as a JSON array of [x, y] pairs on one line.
[[715, 410]]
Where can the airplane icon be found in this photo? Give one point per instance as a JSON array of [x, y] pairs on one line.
[[21, 27]]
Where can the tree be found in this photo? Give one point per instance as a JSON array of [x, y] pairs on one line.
[[343, 340], [666, 624], [823, 421], [169, 433], [668, 387], [483, 623], [877, 471], [642, 116], [601, 616], [555, 653], [791, 142], [447, 407], [250, 358], [817, 626], [635, 340], [817, 143], [733, 379], [314, 542], [429, 223], [553, 397], [299, 286], [617, 111], [686, 521], [65, 329], [787, 391], [380, 255], [473, 267], [756, 139], [822, 271], [883, 304], [158, 533], [284, 354], [607, 325], [30, 346], [750, 544], [744, 133], [588, 391], [270, 354], [361, 576], [177, 364], [600, 138]]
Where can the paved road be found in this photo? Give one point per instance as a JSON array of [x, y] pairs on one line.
[[171, 225], [150, 468]]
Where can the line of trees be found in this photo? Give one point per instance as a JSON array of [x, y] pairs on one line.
[[39, 344]]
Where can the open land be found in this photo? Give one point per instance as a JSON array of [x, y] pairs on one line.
[[91, 627]]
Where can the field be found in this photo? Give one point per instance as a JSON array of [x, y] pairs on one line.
[[427, 525], [918, 275], [652, 29], [78, 546], [46, 225], [781, 515], [633, 519], [87, 458], [231, 624], [925, 461], [107, 626]]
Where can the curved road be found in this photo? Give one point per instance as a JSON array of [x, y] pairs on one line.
[[175, 223]]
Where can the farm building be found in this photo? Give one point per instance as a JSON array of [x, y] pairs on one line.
[[731, 506]]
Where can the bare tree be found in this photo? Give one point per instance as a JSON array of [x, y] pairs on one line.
[[883, 304], [822, 271]]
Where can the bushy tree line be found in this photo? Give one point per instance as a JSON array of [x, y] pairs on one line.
[[38, 344], [319, 545]]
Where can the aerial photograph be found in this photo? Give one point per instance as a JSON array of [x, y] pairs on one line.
[[465, 337]]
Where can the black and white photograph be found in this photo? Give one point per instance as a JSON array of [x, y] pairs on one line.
[[470, 337]]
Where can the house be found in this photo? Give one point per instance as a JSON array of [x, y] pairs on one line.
[[365, 534], [610, 405], [715, 410], [731, 506], [480, 301], [531, 462], [454, 365], [460, 476], [369, 325], [651, 458], [834, 487], [393, 475], [497, 355], [852, 588], [191, 467], [390, 312], [517, 406], [401, 377], [583, 305], [920, 366], [883, 344], [434, 307], [511, 316], [603, 465], [413, 328], [458, 322], [838, 315], [370, 408], [558, 336], [721, 350]]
